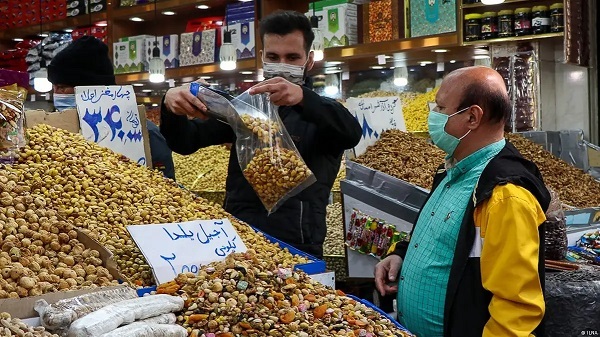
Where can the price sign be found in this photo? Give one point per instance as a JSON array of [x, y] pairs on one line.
[[108, 115], [375, 115], [172, 249]]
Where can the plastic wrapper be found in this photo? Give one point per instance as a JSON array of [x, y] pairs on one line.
[[114, 315], [169, 318], [267, 155], [59, 316], [140, 329], [556, 241], [573, 303], [12, 133]]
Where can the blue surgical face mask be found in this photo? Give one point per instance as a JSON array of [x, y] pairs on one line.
[[64, 101], [437, 131]]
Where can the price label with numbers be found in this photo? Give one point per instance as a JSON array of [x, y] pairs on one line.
[[172, 249], [108, 115], [375, 115]]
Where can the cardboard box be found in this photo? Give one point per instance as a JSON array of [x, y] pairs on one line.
[[129, 57], [198, 48], [169, 49], [337, 21], [383, 25], [23, 307], [432, 17], [66, 120], [243, 38]]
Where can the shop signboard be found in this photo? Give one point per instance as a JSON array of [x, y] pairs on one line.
[[175, 248], [109, 116]]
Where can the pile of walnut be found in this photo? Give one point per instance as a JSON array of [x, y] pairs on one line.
[[273, 172], [103, 193], [40, 252], [404, 156], [575, 187], [15, 327], [251, 296]]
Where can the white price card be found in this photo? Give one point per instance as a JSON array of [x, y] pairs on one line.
[[375, 115], [108, 115], [172, 249]]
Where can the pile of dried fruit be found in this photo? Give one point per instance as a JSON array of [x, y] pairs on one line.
[[251, 296], [334, 241], [103, 192], [204, 170], [575, 187], [40, 252], [404, 156], [15, 327]]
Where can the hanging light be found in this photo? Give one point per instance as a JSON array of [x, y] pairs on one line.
[[317, 45], [40, 77], [227, 54], [491, 2], [400, 76], [332, 85], [156, 65]]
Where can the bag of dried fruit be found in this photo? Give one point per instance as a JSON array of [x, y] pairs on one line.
[[12, 133], [267, 155], [555, 229]]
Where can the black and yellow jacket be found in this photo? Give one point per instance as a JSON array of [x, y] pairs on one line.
[[496, 280]]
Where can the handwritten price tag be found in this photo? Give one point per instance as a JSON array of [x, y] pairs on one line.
[[108, 115], [375, 115], [171, 249]]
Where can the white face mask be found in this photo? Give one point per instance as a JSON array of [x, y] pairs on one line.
[[290, 72]]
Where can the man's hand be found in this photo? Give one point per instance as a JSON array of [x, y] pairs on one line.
[[281, 91], [386, 272], [181, 102]]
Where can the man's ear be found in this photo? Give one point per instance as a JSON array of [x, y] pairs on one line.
[[475, 117], [311, 61]]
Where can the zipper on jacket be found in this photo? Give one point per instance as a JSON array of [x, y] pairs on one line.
[[301, 213]]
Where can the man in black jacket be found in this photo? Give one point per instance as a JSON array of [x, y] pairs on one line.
[[321, 129]]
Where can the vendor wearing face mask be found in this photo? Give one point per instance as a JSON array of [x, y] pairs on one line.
[[474, 264], [85, 62], [321, 129]]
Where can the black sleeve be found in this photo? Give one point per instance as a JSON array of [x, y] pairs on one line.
[[162, 156], [400, 250], [337, 128], [185, 136]]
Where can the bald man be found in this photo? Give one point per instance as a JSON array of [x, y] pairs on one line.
[[473, 265]]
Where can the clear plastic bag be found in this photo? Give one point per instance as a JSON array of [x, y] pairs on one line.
[[555, 226], [141, 329], [59, 316], [114, 315], [267, 155], [12, 133]]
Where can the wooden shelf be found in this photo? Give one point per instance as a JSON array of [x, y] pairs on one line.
[[513, 39], [506, 2], [190, 71], [72, 22], [148, 9]]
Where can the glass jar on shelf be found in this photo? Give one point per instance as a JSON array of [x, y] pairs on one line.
[[489, 25], [506, 23], [473, 27], [557, 17], [540, 21], [522, 21]]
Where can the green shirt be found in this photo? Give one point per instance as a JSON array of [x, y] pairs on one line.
[[426, 268]]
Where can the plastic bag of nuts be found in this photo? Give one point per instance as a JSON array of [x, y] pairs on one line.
[[267, 155], [11, 124], [555, 230]]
